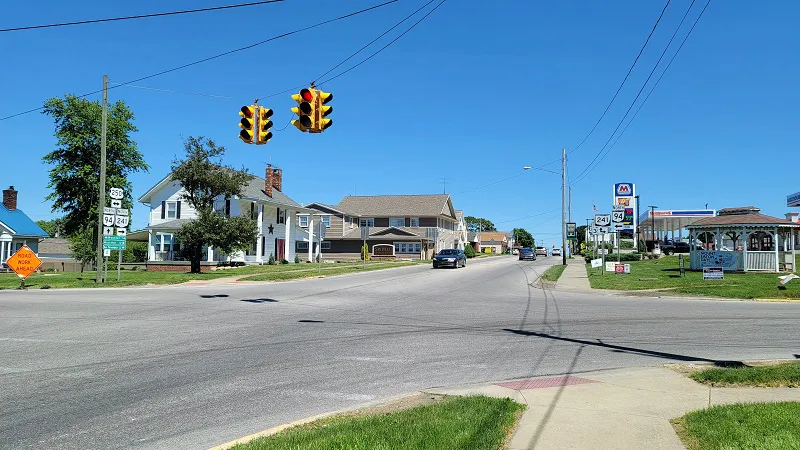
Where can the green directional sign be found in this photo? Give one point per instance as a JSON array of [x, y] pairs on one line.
[[114, 242]]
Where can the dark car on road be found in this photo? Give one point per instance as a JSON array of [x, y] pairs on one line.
[[450, 257], [527, 254]]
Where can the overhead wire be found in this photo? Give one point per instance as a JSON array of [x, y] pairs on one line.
[[139, 16], [656, 83], [641, 50], [589, 167], [280, 36]]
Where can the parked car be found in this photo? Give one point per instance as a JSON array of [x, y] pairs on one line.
[[555, 252], [527, 254], [450, 257], [669, 247], [541, 251], [515, 252]]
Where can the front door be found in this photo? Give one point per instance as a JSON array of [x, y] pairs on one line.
[[280, 249]]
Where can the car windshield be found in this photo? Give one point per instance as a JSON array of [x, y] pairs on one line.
[[526, 250], [448, 252]]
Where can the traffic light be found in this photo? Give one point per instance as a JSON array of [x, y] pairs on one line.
[[304, 110], [323, 98], [264, 124], [247, 124]]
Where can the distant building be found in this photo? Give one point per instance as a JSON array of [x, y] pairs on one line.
[[16, 228]]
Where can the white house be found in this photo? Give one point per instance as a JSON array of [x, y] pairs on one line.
[[262, 200]]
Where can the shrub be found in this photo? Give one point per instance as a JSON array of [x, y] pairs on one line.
[[624, 257], [284, 261], [296, 259], [626, 244], [469, 251], [365, 252], [271, 260]]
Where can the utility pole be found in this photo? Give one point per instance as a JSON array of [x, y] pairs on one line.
[[564, 206], [569, 219], [102, 202]]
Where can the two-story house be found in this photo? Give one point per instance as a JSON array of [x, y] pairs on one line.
[[262, 199], [400, 226], [16, 228]]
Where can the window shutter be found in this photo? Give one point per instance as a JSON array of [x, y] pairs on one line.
[[163, 209], [278, 219], [178, 213], [252, 210], [227, 208]]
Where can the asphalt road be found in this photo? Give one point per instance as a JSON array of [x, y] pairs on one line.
[[192, 367]]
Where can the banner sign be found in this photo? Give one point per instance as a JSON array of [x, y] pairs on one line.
[[597, 263], [713, 273], [571, 231], [793, 199], [718, 258]]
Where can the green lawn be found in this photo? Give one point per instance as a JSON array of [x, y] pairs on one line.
[[553, 273], [742, 426], [776, 375], [473, 423], [664, 274], [140, 277]]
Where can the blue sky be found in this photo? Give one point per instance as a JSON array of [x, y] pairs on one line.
[[472, 94]]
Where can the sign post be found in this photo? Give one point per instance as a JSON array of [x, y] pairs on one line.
[[24, 262]]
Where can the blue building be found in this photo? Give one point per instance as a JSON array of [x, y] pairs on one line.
[[16, 228]]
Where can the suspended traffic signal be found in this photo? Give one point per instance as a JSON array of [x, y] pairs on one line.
[[247, 124], [305, 110], [264, 124], [323, 98]]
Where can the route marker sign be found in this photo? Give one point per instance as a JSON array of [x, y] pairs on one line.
[[24, 262], [602, 220]]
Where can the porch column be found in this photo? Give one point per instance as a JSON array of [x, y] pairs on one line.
[[310, 237], [287, 237], [2, 252], [745, 239], [151, 246], [777, 253], [210, 254], [260, 235]]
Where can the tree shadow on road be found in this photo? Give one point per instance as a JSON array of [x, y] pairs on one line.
[[259, 300]]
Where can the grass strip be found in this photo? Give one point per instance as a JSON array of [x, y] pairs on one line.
[[325, 271], [764, 426], [553, 273], [474, 423], [776, 375]]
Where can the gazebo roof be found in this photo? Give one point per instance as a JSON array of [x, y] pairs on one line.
[[751, 219]]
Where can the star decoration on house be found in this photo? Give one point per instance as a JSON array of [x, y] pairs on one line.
[[270, 228]]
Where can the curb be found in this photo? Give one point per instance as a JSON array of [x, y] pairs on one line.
[[306, 420]]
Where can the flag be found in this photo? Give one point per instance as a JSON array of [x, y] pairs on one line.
[[595, 207]]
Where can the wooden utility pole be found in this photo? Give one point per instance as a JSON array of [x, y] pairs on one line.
[[102, 203]]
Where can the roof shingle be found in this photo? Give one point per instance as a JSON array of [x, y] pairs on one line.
[[395, 205]]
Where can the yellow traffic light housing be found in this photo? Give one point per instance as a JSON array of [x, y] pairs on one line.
[[264, 124], [305, 110], [323, 98], [247, 124]]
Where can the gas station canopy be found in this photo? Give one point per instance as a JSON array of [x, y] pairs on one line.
[[670, 221]]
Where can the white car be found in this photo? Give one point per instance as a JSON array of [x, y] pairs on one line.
[[556, 252]]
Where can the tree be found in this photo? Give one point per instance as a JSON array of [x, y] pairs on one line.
[[469, 251], [479, 224], [523, 238], [53, 227], [581, 234], [82, 245], [75, 177], [205, 178]]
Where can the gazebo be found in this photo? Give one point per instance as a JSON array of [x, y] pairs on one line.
[[743, 239]]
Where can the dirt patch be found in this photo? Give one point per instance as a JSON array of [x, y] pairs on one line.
[[400, 404]]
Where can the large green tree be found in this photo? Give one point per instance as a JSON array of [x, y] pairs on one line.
[[53, 227], [75, 175], [523, 238], [205, 179], [479, 224]]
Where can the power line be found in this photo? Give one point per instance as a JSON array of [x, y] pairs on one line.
[[656, 83], [641, 50], [506, 179], [387, 45], [529, 217], [174, 92], [280, 36], [141, 16], [589, 167]]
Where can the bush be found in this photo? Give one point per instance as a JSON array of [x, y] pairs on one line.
[[626, 244], [284, 261], [469, 251], [297, 259], [589, 256], [365, 252], [271, 260]]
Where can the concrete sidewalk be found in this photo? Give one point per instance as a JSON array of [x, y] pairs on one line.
[[574, 277], [619, 409]]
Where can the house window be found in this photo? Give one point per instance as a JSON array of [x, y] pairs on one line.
[[303, 220], [219, 206], [407, 247], [172, 210], [326, 220], [397, 221], [281, 216], [415, 221], [326, 245], [367, 223], [302, 245]]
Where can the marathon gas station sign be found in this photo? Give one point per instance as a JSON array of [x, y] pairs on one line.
[[793, 199]]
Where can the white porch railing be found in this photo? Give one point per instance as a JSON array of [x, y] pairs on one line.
[[761, 261]]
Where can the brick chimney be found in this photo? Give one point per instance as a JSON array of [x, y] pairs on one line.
[[10, 198], [277, 179], [268, 180]]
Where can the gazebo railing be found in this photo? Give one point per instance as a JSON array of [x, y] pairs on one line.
[[761, 261]]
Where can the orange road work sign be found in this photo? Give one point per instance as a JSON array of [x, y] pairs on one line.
[[24, 262]]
